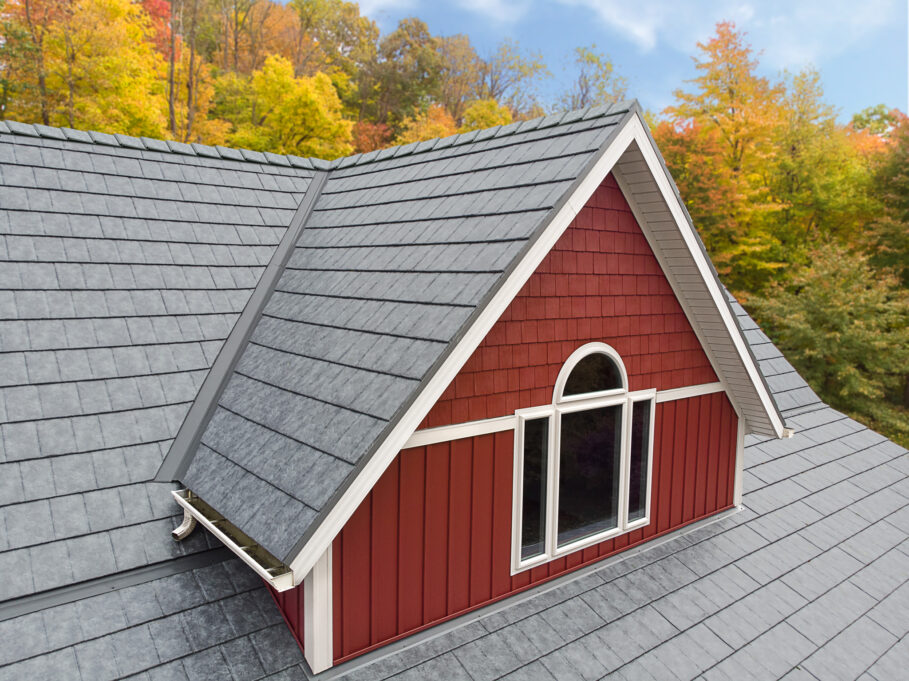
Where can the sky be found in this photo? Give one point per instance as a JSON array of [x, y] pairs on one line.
[[859, 48]]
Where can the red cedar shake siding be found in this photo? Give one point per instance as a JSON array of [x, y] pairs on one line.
[[433, 538]]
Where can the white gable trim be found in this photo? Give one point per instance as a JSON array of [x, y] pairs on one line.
[[630, 130]]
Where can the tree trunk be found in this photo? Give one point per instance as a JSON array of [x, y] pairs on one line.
[[38, 40], [171, 68], [190, 76]]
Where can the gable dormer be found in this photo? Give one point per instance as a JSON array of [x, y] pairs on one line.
[[415, 353]]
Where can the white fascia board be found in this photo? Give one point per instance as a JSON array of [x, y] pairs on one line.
[[691, 241], [631, 129]]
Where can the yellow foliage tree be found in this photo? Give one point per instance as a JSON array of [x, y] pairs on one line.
[[279, 112], [485, 113], [102, 70], [432, 123]]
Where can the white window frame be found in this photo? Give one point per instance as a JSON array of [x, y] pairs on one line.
[[562, 404]]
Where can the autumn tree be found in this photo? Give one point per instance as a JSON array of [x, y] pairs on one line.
[[432, 123], [485, 113], [275, 110], [460, 78], [596, 81], [511, 77]]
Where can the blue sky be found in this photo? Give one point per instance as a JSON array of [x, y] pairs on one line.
[[860, 48]]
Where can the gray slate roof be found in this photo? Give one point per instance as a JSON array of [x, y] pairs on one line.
[[123, 266], [809, 581], [402, 248]]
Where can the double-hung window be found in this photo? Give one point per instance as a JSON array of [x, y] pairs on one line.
[[583, 463]]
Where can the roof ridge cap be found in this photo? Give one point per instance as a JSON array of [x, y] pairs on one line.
[[38, 130], [458, 139]]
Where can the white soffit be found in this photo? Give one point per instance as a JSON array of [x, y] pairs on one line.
[[664, 216]]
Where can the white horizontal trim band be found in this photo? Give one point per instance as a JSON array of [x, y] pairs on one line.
[[459, 431], [688, 391], [432, 436]]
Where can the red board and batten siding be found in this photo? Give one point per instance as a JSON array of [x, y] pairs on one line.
[[433, 538]]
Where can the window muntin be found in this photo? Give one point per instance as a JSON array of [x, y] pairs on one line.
[[597, 460]]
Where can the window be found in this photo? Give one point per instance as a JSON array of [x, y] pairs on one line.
[[583, 463]]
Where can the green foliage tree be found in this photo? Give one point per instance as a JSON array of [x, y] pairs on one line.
[[845, 326], [405, 78], [888, 236]]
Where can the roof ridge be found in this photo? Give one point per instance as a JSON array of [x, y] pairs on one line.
[[165, 146], [550, 120], [309, 163]]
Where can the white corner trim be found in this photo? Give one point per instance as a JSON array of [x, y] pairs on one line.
[[318, 629], [280, 582], [636, 124], [459, 431], [739, 463], [336, 518], [689, 391]]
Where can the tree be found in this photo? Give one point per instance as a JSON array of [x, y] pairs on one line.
[[406, 77], [26, 24], [596, 82], [89, 64], [845, 326], [432, 123], [485, 113], [369, 136], [277, 111], [335, 37], [888, 237], [510, 77], [460, 78]]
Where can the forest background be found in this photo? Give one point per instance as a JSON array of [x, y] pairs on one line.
[[805, 217]]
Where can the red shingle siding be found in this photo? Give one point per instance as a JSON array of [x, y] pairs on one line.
[[601, 282]]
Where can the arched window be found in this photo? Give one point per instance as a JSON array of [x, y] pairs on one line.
[[582, 463]]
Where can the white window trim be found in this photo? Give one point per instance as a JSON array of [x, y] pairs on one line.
[[562, 405], [576, 356]]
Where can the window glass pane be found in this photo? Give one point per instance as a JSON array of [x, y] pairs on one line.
[[594, 373], [533, 509], [589, 472], [640, 450]]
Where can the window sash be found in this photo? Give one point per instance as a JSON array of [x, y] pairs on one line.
[[554, 413]]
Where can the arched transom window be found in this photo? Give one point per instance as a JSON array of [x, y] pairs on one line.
[[583, 463]]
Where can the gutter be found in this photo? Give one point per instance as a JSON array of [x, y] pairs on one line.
[[278, 575]]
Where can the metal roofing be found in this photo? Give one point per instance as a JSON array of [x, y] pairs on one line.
[[122, 271], [106, 328], [400, 250]]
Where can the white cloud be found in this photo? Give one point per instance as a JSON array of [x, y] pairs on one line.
[[373, 8], [500, 11], [791, 34]]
